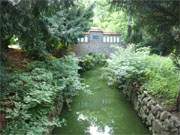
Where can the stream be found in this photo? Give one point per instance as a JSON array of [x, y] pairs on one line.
[[102, 111]]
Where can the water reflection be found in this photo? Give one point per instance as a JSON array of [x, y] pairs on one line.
[[94, 128], [81, 116]]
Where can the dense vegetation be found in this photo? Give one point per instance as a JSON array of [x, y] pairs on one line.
[[43, 26], [153, 23], [135, 69], [109, 19], [32, 96]]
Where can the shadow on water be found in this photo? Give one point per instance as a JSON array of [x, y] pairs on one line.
[[103, 111]]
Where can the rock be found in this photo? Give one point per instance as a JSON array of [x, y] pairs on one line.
[[168, 124], [145, 109], [158, 115], [174, 131], [165, 115], [140, 100], [164, 133], [136, 105], [142, 114], [150, 128], [150, 118], [155, 109], [144, 95], [175, 121], [156, 126], [146, 100], [139, 92], [172, 123], [151, 103]]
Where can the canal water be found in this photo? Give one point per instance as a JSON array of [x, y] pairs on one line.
[[102, 111]]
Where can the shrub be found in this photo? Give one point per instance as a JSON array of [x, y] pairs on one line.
[[132, 69], [164, 79], [33, 95], [90, 60]]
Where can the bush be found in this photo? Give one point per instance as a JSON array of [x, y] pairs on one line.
[[34, 94], [90, 60], [132, 69]]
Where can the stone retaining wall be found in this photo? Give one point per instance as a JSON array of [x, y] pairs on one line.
[[158, 120]]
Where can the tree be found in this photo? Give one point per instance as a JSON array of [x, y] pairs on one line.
[[21, 19], [68, 24], [109, 19], [28, 20], [160, 23], [158, 19]]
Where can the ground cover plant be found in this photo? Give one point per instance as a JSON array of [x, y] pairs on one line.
[[135, 69]]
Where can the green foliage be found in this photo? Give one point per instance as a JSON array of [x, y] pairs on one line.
[[164, 79], [109, 19], [158, 21], [68, 24], [41, 25], [35, 94], [89, 61], [35, 47], [132, 69]]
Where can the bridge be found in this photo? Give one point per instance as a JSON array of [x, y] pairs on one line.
[[97, 41]]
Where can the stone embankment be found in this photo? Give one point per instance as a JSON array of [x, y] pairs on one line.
[[158, 120]]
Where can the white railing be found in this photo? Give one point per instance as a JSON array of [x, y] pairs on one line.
[[105, 39]]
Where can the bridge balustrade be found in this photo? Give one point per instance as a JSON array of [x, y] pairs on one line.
[[105, 39]]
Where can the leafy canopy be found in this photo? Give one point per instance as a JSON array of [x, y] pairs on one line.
[[157, 21], [42, 24]]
